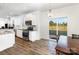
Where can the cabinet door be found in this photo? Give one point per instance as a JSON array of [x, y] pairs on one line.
[[33, 36], [19, 33], [7, 41]]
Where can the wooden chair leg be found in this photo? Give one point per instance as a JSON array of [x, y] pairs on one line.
[[57, 52]]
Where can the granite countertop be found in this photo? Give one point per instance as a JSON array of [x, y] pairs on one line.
[[5, 32], [26, 30]]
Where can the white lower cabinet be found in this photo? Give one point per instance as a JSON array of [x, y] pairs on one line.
[[19, 33], [7, 41], [33, 36]]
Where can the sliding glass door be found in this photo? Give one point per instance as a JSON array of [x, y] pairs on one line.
[[57, 26], [52, 26], [62, 26]]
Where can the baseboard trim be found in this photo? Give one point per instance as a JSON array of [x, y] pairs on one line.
[[18, 37], [44, 38]]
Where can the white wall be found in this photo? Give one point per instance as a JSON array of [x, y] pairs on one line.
[[36, 21], [72, 12], [44, 25]]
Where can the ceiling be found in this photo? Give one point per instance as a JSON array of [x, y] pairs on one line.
[[13, 9]]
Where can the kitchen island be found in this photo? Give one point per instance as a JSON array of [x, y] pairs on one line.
[[7, 38]]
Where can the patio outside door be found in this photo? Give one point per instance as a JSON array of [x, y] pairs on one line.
[[57, 26]]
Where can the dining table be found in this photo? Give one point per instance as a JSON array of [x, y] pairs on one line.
[[71, 47]]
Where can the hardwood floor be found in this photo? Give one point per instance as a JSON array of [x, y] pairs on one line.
[[22, 47]]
